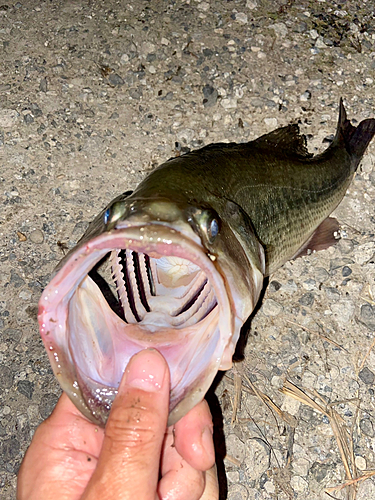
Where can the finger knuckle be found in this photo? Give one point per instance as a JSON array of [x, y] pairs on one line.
[[131, 426]]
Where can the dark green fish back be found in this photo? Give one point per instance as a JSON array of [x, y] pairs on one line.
[[285, 191]]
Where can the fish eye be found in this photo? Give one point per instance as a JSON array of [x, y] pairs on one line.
[[107, 213], [208, 224], [113, 214], [205, 222], [214, 229]]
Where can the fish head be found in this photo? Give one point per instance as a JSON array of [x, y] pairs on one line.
[[150, 272]]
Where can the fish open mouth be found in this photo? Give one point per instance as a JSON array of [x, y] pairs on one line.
[[126, 290]]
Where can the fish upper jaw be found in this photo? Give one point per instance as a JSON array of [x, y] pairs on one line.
[[139, 211]]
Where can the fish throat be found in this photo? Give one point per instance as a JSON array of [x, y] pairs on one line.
[[160, 291]]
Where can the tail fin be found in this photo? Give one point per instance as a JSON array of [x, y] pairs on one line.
[[356, 139]]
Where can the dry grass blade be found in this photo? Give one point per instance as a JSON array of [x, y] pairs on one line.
[[233, 460], [317, 333], [294, 392], [340, 487], [370, 301], [367, 355], [237, 394], [230, 381], [289, 419], [343, 438], [331, 496]]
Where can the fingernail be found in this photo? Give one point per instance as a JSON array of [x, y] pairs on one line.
[[207, 441], [146, 370]]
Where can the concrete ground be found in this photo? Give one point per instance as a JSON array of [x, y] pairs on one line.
[[93, 95]]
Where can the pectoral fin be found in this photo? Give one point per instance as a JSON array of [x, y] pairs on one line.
[[324, 236]]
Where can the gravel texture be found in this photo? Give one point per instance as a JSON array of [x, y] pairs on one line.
[[93, 95]]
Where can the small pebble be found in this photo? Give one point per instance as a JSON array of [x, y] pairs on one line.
[[367, 376], [47, 404], [367, 316], [319, 44], [271, 308], [233, 476], [346, 246], [26, 388], [299, 484], [280, 29], [37, 236], [367, 427], [360, 462], [301, 466], [25, 295], [229, 103], [235, 447], [271, 123], [210, 95], [332, 293], [43, 85], [257, 459], [306, 96], [241, 18], [28, 118], [10, 449], [8, 118], [274, 286], [309, 284], [346, 271], [6, 377], [307, 299], [269, 487], [186, 135], [251, 4], [115, 80]]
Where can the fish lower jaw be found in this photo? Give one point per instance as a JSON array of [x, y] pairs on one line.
[[101, 345], [96, 331]]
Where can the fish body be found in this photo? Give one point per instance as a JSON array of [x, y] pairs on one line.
[[188, 251]]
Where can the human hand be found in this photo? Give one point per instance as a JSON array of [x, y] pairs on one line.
[[134, 457]]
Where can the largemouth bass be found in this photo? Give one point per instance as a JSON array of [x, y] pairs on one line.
[[179, 263]]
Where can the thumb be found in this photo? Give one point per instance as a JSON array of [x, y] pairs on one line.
[[128, 465]]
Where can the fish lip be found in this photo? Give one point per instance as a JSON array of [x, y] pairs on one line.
[[54, 303]]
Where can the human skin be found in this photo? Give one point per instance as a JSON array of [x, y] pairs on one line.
[[135, 457]]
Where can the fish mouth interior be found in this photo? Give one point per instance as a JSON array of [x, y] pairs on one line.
[[164, 290], [130, 298]]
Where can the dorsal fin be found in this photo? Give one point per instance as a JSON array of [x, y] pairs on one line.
[[287, 139]]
